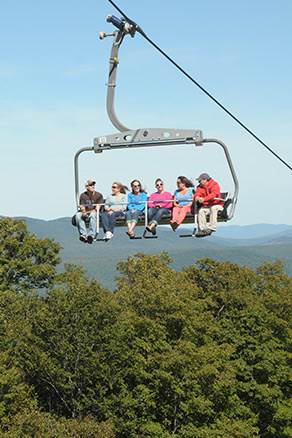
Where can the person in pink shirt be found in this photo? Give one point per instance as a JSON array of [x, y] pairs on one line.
[[159, 205]]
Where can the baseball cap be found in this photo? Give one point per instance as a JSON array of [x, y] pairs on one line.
[[203, 176], [90, 182]]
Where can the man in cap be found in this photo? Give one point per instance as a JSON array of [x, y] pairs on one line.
[[89, 208], [208, 198]]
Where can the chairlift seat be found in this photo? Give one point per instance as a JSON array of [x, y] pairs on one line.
[[189, 219]]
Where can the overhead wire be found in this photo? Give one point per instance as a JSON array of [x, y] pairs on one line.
[[138, 29]]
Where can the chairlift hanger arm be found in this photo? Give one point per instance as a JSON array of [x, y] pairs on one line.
[[125, 28], [145, 137]]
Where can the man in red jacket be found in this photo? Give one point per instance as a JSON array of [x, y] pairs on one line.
[[208, 197]]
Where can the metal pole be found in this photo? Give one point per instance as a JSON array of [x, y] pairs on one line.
[[232, 170], [76, 172]]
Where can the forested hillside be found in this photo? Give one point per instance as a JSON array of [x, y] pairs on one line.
[[201, 352], [254, 245]]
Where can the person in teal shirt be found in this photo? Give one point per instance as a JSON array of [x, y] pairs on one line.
[[137, 200], [183, 200]]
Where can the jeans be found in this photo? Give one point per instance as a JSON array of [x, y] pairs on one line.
[[155, 214], [109, 220], [86, 224], [133, 215]]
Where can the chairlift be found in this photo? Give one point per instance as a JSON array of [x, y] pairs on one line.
[[127, 138]]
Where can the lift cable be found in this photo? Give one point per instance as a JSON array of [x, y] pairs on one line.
[[138, 29]]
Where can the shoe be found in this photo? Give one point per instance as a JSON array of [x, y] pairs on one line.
[[173, 225], [203, 233], [151, 228], [89, 239], [83, 239], [130, 234], [108, 235]]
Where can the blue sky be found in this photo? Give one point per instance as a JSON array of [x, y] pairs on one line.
[[53, 71]]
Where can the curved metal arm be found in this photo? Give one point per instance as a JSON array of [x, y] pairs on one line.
[[76, 172], [113, 65], [234, 177]]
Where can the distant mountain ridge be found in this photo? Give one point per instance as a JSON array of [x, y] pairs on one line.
[[248, 245], [253, 231], [225, 231]]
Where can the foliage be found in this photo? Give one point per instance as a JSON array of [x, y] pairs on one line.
[[25, 261], [15, 394], [253, 311], [199, 353], [37, 424]]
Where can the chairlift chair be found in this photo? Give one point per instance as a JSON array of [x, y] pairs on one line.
[[127, 138]]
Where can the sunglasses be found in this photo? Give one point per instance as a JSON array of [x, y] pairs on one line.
[[159, 184], [114, 187], [91, 185], [136, 185]]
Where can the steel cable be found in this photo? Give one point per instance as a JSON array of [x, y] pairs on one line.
[[138, 29]]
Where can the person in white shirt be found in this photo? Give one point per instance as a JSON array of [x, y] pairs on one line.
[[115, 207]]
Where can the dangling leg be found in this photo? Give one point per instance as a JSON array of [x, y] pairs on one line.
[[183, 211], [81, 227], [92, 227], [175, 218], [203, 230], [213, 217], [130, 215], [202, 222], [135, 218]]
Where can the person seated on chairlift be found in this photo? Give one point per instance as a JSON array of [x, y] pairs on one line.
[[208, 198], [115, 207], [89, 208], [183, 200], [136, 205], [159, 205]]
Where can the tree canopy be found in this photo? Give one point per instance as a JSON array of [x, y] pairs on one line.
[[25, 261], [202, 353]]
